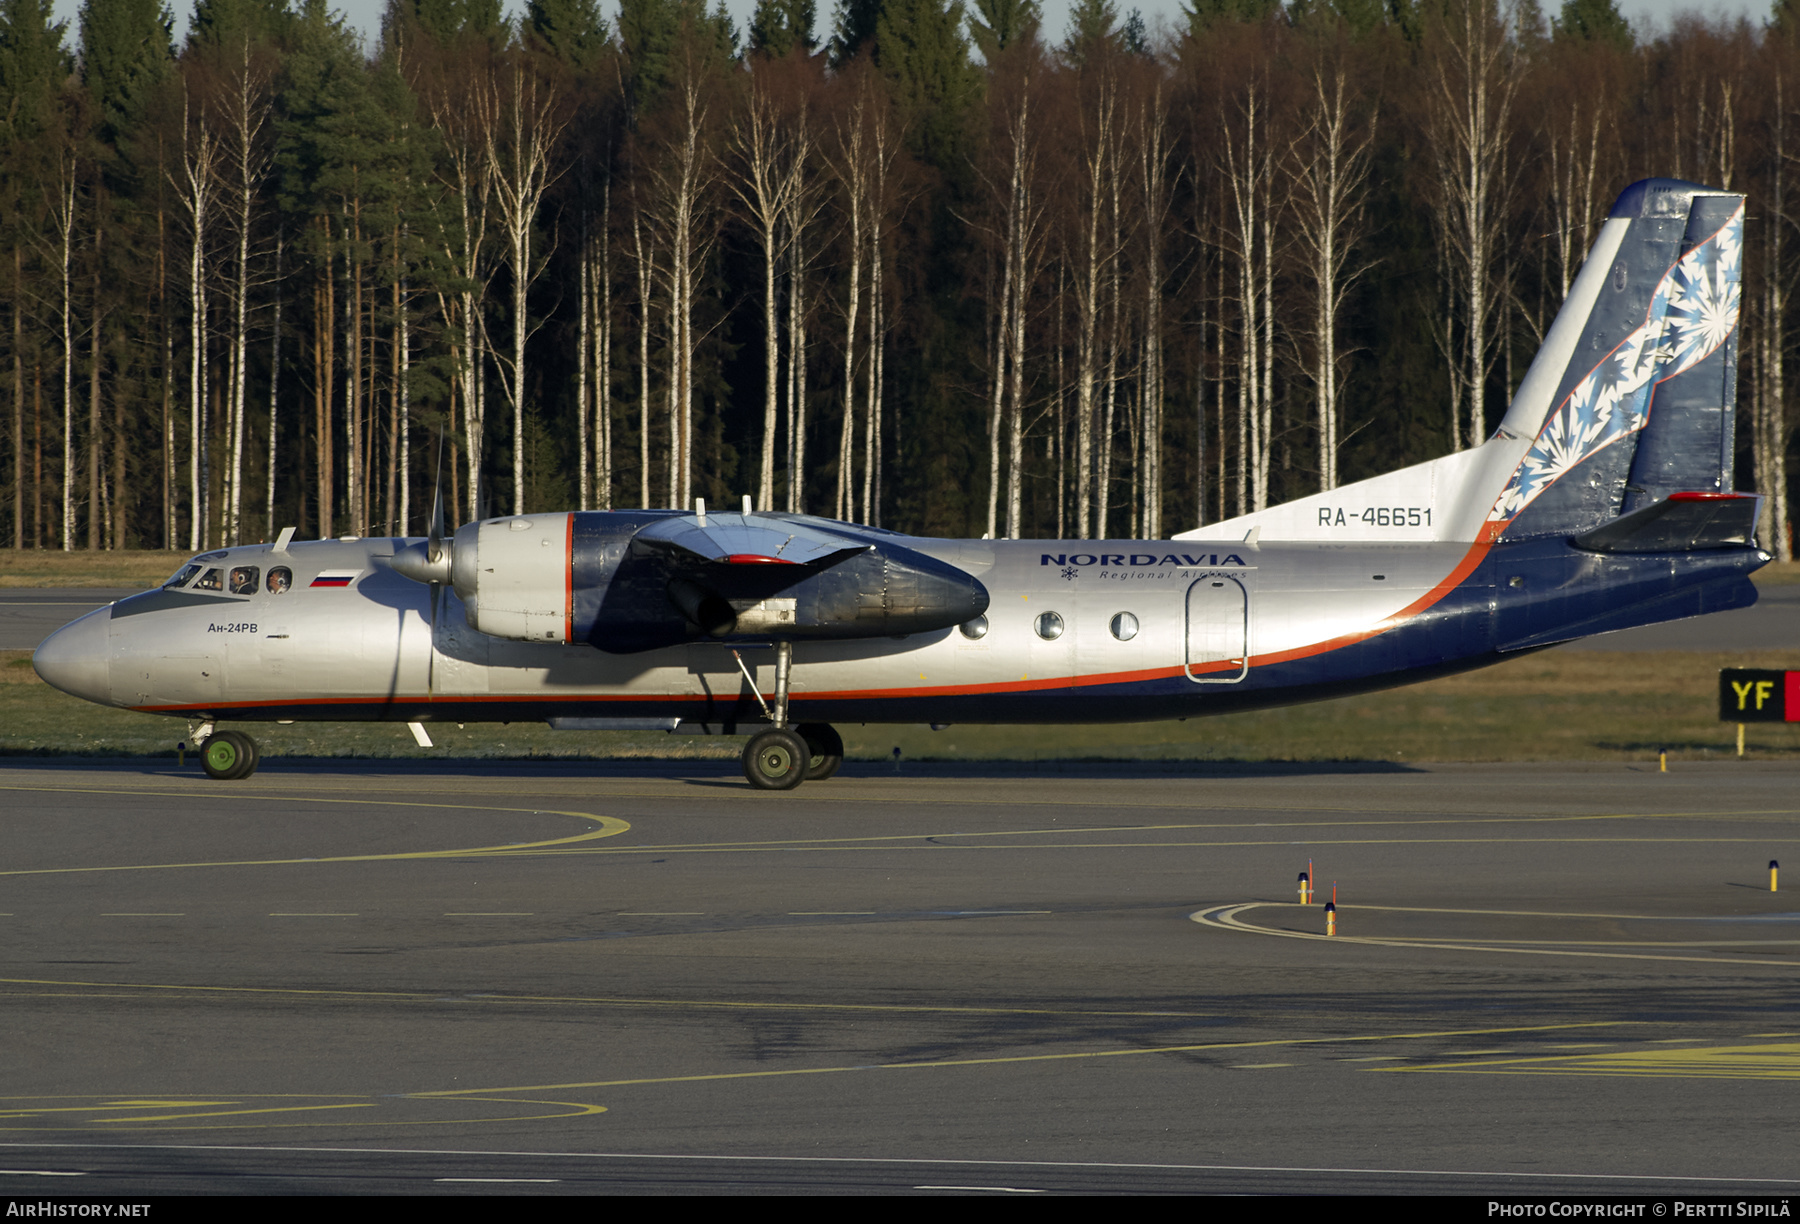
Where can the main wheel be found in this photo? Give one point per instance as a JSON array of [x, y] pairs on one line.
[[227, 755], [776, 760], [826, 747]]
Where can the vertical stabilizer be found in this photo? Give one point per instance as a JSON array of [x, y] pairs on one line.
[[1643, 359]]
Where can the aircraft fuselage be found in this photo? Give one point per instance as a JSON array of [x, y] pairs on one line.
[[1097, 631]]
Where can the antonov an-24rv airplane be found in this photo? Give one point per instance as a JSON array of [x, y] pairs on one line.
[[1605, 500]]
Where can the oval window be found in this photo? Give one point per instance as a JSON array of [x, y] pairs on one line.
[[1049, 626], [1124, 626], [974, 630], [280, 579]]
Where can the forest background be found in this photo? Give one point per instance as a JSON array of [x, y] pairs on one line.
[[928, 268]]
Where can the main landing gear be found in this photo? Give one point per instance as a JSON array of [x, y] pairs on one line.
[[783, 757], [228, 755]]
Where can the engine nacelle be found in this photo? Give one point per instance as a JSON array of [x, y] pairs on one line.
[[515, 578], [641, 580]]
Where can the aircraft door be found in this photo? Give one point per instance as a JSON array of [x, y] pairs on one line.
[[1218, 630]]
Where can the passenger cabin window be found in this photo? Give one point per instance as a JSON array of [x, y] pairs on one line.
[[181, 577], [243, 579], [211, 580], [280, 579], [1049, 626], [1124, 626]]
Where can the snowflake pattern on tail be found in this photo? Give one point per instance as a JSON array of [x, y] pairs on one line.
[[1694, 309]]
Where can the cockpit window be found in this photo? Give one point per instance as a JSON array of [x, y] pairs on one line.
[[243, 579], [280, 579], [181, 576], [211, 580]]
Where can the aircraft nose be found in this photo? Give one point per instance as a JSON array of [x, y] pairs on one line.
[[74, 658]]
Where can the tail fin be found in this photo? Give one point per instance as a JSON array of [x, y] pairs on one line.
[[1632, 397], [1644, 363]]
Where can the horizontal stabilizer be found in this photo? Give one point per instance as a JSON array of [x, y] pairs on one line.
[[1681, 522]]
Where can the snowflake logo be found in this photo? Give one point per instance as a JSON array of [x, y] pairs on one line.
[[1692, 312], [1070, 573]]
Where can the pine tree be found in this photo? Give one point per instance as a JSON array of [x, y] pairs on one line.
[[652, 32], [573, 31], [1594, 21], [854, 25], [921, 49], [447, 20], [1003, 23], [33, 65], [216, 22], [127, 51], [1202, 15], [1093, 27], [1135, 35], [778, 26]]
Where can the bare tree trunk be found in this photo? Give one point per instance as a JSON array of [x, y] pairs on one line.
[[1099, 162], [274, 388], [645, 282], [1770, 427], [768, 174], [853, 171], [1153, 155], [63, 219], [797, 347], [519, 163], [603, 359], [1249, 170], [1474, 79], [466, 119], [684, 175], [1330, 168], [18, 402], [96, 510]]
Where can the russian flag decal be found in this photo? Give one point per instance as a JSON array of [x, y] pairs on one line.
[[335, 578]]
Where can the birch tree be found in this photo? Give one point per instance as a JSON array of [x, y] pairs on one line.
[[1329, 168], [1473, 78], [521, 142]]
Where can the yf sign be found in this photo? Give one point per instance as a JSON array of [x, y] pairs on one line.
[[1748, 694]]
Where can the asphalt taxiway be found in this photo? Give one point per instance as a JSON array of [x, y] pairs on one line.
[[419, 977]]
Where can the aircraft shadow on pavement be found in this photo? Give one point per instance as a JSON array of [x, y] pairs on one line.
[[719, 771]]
